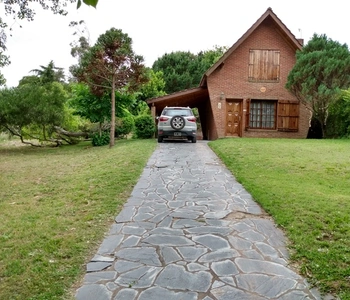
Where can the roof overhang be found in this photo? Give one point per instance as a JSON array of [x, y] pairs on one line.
[[191, 97]]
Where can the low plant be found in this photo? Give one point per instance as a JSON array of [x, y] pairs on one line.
[[144, 126], [100, 139], [124, 126]]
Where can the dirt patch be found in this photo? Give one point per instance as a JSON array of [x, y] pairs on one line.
[[239, 215]]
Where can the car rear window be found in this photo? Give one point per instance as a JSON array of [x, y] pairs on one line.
[[177, 112]]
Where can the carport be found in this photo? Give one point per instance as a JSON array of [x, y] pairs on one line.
[[195, 98]]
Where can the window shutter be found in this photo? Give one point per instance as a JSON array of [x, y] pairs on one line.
[[247, 115], [264, 65], [288, 116], [251, 65]]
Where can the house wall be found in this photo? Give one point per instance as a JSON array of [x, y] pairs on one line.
[[209, 131], [231, 79]]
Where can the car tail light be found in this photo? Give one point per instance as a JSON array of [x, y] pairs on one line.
[[192, 119], [163, 119]]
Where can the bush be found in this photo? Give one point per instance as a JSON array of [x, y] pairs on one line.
[[144, 127], [100, 140], [123, 126], [338, 123]]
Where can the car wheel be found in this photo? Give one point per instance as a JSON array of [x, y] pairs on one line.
[[194, 140], [160, 139], [177, 122]]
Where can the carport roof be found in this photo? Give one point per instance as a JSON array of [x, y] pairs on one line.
[[191, 97]]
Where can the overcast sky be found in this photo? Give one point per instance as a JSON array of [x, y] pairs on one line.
[[159, 26]]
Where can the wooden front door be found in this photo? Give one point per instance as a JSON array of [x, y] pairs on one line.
[[233, 117]]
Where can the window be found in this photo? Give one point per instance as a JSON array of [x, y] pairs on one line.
[[262, 114], [264, 65]]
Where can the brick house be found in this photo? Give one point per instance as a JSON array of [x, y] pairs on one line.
[[243, 94]]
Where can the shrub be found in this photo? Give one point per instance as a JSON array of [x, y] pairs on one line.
[[144, 127], [100, 140], [123, 126], [338, 123]]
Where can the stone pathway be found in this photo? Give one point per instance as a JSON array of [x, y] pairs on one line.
[[190, 231]]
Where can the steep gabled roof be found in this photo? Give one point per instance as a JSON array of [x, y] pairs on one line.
[[279, 24]]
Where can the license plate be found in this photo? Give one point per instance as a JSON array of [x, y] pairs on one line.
[[177, 133]]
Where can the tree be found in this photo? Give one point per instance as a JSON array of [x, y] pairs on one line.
[[322, 69], [97, 109], [79, 46], [21, 9], [153, 88], [184, 70], [111, 65], [50, 73], [30, 111], [177, 68]]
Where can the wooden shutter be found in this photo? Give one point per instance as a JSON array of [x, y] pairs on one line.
[[288, 116], [247, 120], [264, 65]]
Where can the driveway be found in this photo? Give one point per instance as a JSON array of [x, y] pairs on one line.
[[190, 231]]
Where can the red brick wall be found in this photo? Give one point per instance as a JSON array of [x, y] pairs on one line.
[[232, 80]]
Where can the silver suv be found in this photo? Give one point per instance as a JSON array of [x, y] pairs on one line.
[[177, 123]]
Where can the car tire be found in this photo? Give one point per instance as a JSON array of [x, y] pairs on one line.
[[177, 122], [160, 139], [194, 140]]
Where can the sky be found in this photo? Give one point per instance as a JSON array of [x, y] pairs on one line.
[[157, 27]]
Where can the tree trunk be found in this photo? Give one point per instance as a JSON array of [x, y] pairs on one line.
[[111, 140], [61, 131]]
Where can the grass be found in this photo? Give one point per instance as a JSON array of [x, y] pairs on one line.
[[56, 204], [305, 186]]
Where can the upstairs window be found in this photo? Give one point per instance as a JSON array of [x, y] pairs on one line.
[[264, 65]]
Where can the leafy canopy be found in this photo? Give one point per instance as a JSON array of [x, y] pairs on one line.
[[109, 66], [322, 69], [184, 70], [49, 73], [31, 110]]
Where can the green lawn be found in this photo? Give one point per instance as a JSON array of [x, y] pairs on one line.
[[305, 186], [55, 206], [57, 203]]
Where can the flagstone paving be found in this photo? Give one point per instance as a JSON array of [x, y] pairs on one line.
[[190, 231]]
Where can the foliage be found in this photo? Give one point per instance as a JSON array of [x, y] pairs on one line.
[[79, 46], [32, 80], [124, 126], [87, 105], [304, 186], [111, 65], [4, 60], [31, 111], [144, 127], [100, 139], [338, 124], [177, 68], [184, 70], [88, 2], [56, 205], [51, 73], [154, 87], [322, 68]]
